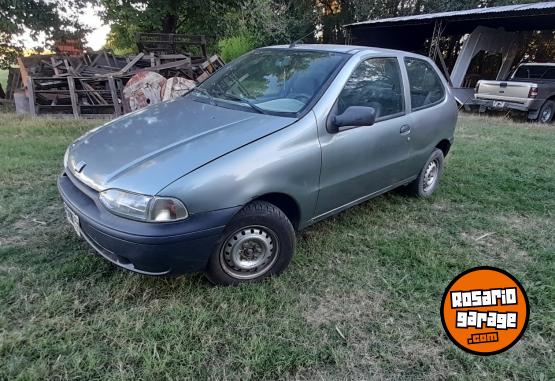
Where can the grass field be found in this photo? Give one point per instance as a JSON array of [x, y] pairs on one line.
[[360, 299]]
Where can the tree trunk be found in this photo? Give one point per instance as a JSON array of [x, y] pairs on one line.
[[169, 24], [172, 9]]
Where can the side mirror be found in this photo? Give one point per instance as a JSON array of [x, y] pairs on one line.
[[354, 116]]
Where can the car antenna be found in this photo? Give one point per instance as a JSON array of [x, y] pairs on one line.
[[300, 40]]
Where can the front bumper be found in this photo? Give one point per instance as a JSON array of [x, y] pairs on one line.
[[146, 248]]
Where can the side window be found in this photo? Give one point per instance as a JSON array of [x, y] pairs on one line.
[[426, 88], [549, 74], [375, 83]]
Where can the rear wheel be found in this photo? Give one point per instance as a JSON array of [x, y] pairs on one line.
[[546, 112], [428, 178], [259, 242]]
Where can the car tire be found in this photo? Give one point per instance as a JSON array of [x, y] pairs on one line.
[[428, 179], [546, 112], [258, 243]]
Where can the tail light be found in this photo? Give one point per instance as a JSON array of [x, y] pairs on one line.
[[533, 92]]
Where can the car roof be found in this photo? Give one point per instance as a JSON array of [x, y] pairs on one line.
[[348, 49]]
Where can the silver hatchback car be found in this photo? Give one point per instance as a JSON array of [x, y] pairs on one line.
[[219, 179]]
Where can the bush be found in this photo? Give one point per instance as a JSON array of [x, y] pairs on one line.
[[233, 47]]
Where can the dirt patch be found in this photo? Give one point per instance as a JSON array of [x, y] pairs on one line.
[[375, 342], [335, 308], [20, 230], [523, 223], [495, 245], [8, 269], [442, 206], [24, 228]]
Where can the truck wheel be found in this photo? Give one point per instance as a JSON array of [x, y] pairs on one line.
[[546, 112], [258, 243], [428, 178]]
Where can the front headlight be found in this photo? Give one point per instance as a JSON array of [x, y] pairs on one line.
[[66, 157], [164, 209], [143, 208]]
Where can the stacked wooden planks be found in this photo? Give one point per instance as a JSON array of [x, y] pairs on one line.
[[91, 84]]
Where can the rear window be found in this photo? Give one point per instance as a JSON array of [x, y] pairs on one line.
[[426, 88]]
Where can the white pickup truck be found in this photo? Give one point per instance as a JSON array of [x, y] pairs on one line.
[[530, 89]]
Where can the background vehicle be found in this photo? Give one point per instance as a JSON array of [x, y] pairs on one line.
[[219, 180], [530, 89]]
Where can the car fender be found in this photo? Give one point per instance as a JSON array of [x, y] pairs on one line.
[[287, 161]]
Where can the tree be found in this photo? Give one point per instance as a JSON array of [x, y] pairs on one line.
[[53, 18], [260, 21], [163, 16]]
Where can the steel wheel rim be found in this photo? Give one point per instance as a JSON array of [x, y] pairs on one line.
[[430, 175], [546, 114], [249, 252]]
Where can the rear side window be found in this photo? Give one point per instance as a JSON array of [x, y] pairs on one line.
[[426, 88], [375, 83], [549, 74], [530, 72]]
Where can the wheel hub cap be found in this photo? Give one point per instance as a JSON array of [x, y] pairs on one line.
[[546, 115], [430, 175], [249, 252]]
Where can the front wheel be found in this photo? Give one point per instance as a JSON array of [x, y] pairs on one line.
[[428, 178], [258, 242]]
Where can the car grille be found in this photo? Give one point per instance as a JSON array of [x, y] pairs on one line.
[[82, 187]]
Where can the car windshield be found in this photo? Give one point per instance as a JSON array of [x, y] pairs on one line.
[[271, 81]]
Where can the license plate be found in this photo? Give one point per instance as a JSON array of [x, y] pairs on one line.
[[498, 104], [73, 219]]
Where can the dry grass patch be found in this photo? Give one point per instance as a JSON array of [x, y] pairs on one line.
[[344, 308]]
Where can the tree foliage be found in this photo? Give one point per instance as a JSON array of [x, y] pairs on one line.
[[163, 16], [263, 21], [260, 21], [233, 47], [53, 19]]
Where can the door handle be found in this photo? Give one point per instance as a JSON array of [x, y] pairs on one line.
[[405, 129]]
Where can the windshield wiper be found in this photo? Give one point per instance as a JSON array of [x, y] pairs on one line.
[[202, 91], [238, 98]]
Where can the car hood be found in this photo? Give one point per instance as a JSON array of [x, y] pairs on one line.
[[145, 151]]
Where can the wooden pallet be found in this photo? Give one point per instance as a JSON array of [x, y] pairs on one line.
[[80, 96]]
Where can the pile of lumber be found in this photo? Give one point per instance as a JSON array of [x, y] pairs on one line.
[[91, 84]]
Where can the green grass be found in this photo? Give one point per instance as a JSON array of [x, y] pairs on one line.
[[375, 273]]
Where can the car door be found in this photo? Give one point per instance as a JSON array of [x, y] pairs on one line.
[[361, 161], [428, 116]]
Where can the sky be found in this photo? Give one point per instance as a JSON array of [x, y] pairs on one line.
[[94, 40], [97, 38]]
